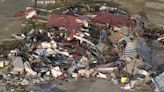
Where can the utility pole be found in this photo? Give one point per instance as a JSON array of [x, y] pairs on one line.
[[35, 5]]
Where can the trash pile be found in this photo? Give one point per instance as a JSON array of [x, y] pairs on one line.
[[72, 45]]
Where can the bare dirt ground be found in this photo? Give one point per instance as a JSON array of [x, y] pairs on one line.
[[153, 8], [88, 85], [9, 24]]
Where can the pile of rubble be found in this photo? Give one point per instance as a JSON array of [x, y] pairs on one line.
[[71, 46]]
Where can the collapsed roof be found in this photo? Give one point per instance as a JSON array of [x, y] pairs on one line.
[[108, 18], [67, 21]]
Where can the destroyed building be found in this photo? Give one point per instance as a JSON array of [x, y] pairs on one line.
[[70, 47]]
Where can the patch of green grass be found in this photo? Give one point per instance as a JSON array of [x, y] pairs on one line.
[[158, 30], [39, 26], [31, 25], [63, 4], [9, 45], [43, 13], [27, 28]]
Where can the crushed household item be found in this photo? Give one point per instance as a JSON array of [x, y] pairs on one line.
[[101, 75], [18, 64], [28, 69], [108, 70], [30, 12], [129, 85], [56, 72], [4, 63], [84, 72], [124, 79]]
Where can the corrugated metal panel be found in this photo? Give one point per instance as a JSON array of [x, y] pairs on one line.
[[130, 50], [159, 82]]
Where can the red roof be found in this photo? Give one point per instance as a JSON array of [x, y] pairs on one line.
[[112, 20], [67, 21]]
